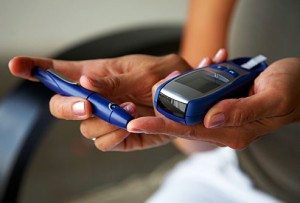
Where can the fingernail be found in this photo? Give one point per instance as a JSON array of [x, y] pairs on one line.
[[217, 120], [138, 131], [218, 54], [79, 108], [203, 62], [173, 74], [129, 108]]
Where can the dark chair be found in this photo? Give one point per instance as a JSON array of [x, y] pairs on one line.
[[24, 113]]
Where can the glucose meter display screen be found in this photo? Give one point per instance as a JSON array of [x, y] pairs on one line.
[[171, 105], [200, 81]]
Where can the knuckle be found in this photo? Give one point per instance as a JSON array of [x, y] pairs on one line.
[[238, 118], [242, 116], [113, 83], [178, 62], [236, 113], [173, 57]]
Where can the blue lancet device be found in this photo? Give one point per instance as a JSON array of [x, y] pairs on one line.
[[102, 107], [187, 97]]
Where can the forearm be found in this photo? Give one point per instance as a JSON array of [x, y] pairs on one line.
[[205, 29], [205, 32]]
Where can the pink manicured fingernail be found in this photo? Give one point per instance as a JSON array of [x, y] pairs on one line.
[[218, 54], [203, 62], [129, 108], [173, 74], [217, 120], [79, 108]]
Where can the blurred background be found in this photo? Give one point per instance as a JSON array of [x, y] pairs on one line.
[[65, 167], [44, 28]]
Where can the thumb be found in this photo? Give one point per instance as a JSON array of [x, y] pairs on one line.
[[237, 112], [170, 76]]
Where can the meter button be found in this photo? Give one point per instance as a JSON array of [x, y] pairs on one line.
[[231, 72], [219, 67]]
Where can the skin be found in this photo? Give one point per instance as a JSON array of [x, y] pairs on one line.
[[242, 121], [111, 78], [205, 30]]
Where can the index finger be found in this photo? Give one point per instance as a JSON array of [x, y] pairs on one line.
[[22, 66], [234, 137]]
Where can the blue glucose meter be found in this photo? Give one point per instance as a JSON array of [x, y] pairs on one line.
[[102, 107], [187, 97]]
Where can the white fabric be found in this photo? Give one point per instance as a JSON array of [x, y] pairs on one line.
[[212, 176]]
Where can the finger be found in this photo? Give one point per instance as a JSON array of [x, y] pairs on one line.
[[159, 125], [220, 56], [234, 137], [130, 107], [109, 141], [70, 108], [172, 75], [95, 127], [237, 112], [22, 67], [112, 85], [163, 126], [206, 61], [169, 77], [141, 141]]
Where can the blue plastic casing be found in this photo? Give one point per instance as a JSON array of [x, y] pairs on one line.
[[196, 108], [102, 107]]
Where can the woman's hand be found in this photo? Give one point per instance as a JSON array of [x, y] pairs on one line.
[[126, 79], [273, 101]]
